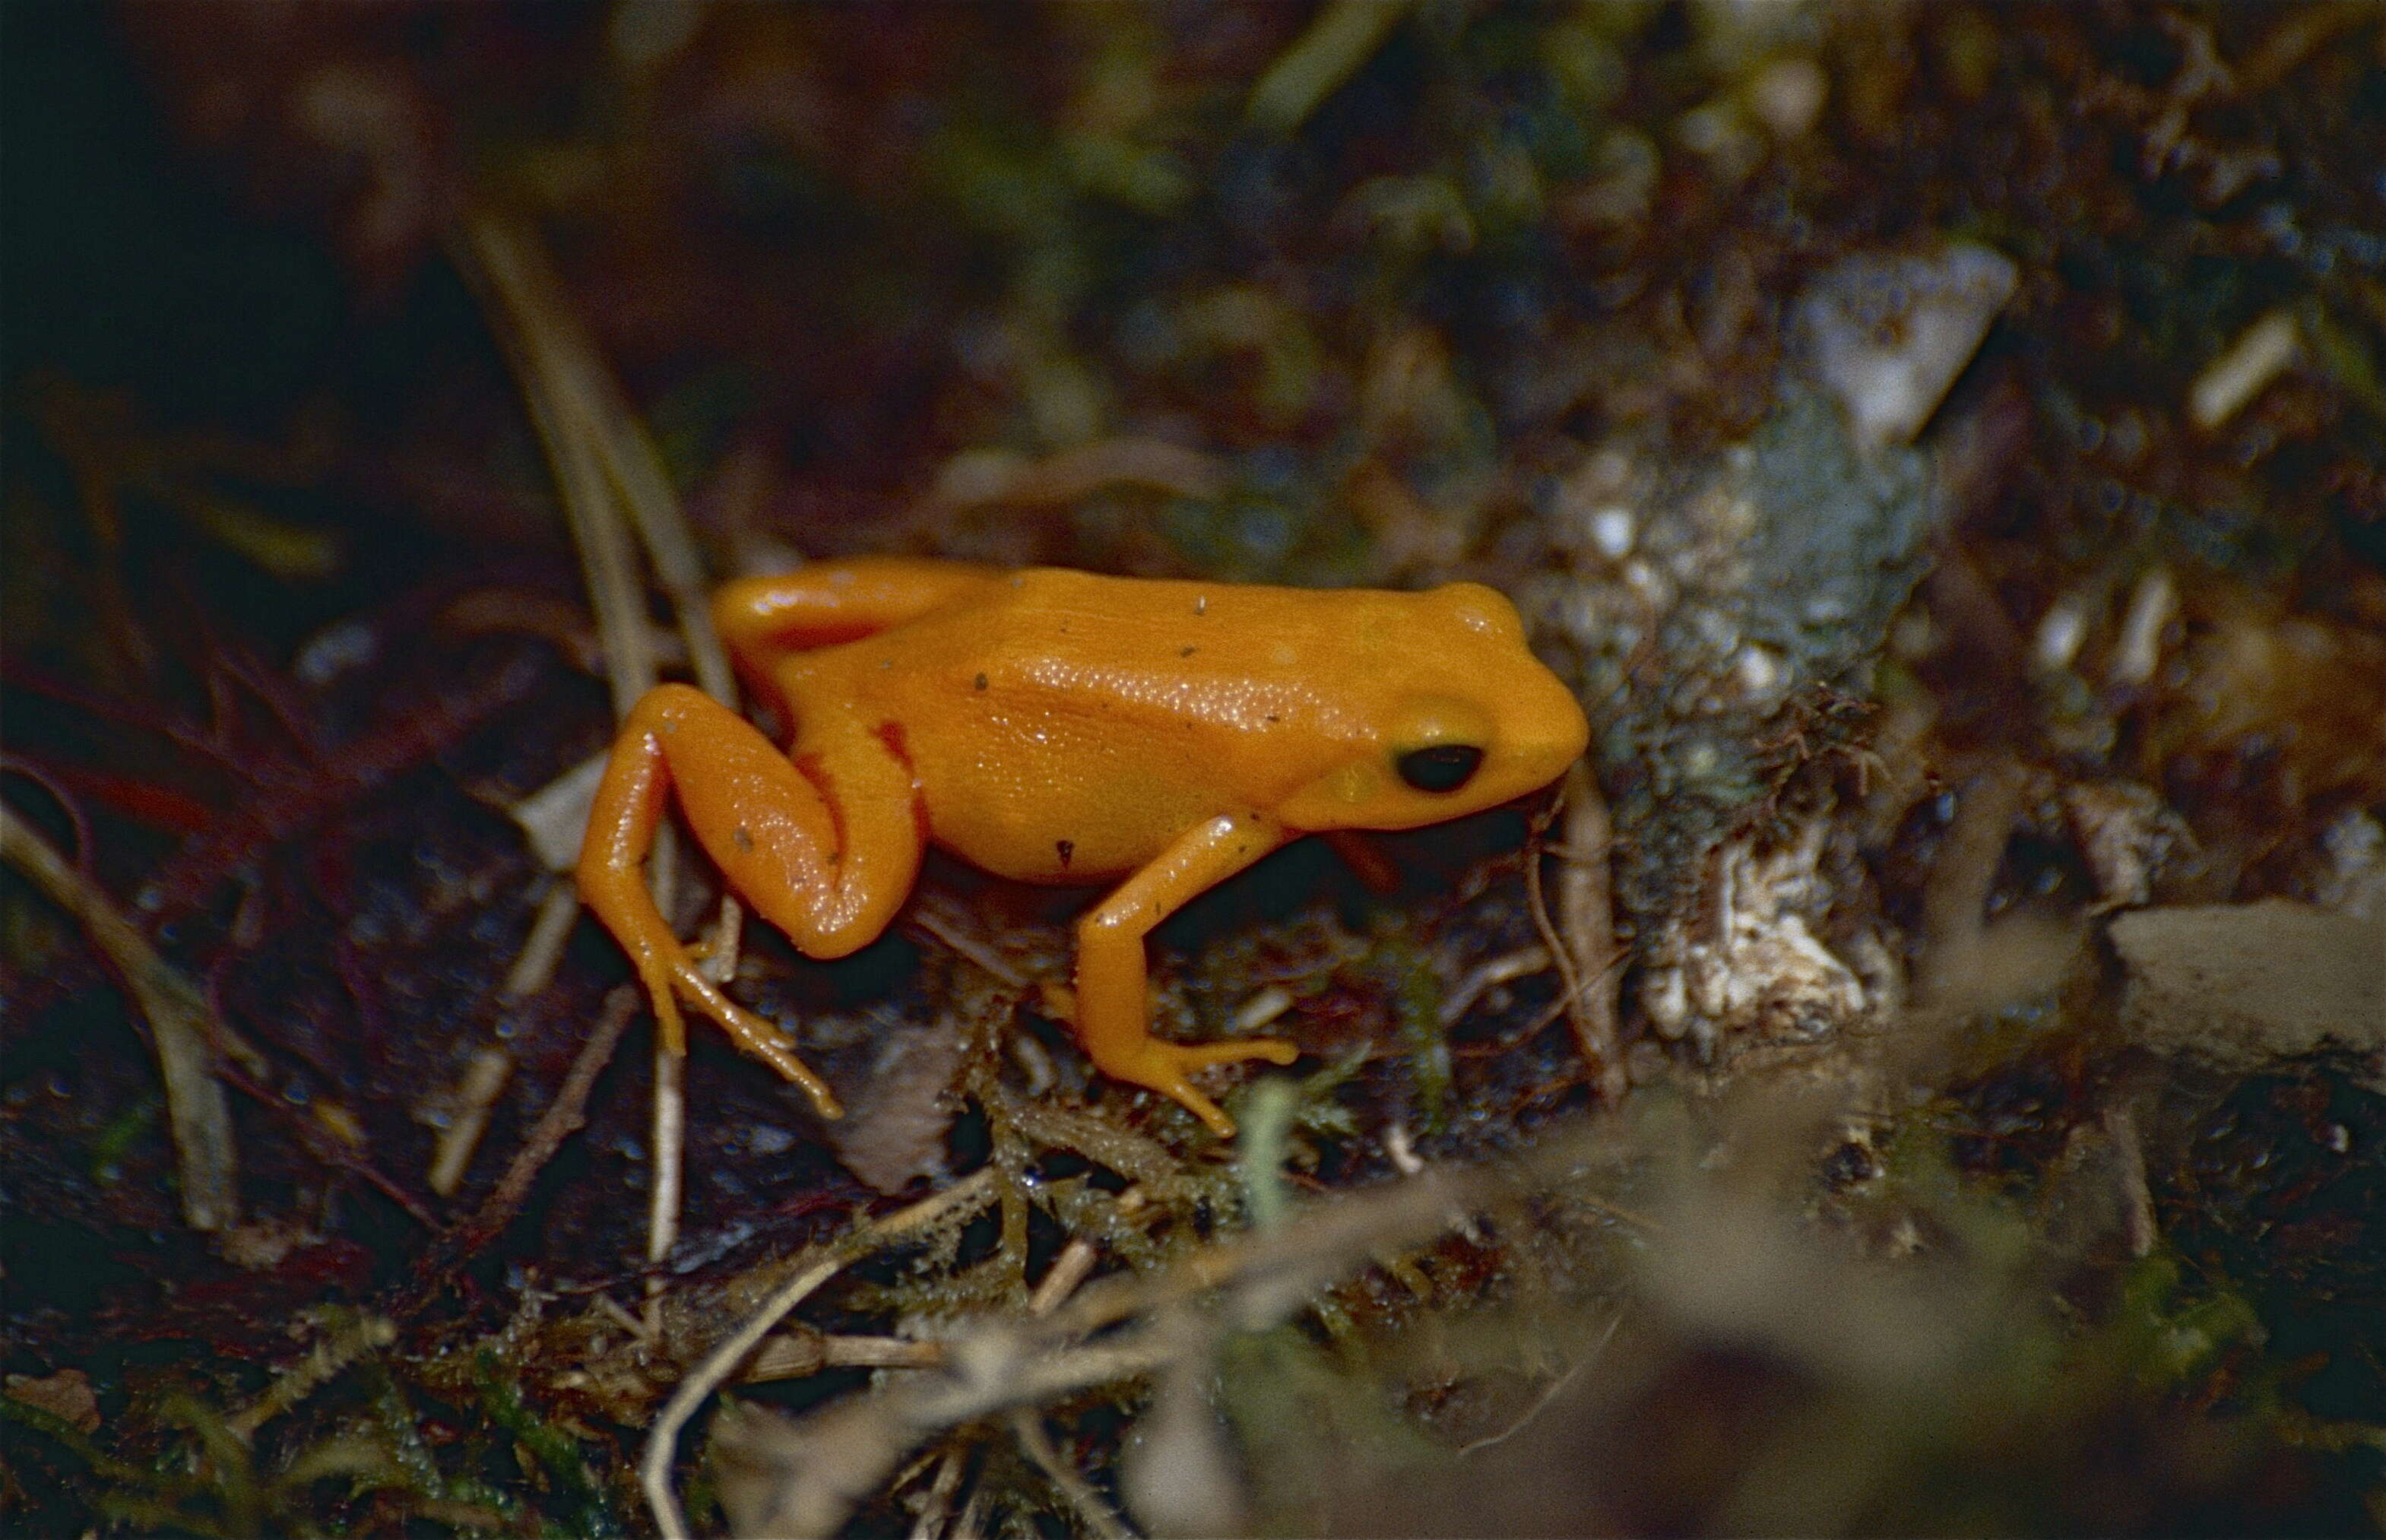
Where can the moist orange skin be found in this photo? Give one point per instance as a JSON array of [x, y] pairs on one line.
[[1055, 726]]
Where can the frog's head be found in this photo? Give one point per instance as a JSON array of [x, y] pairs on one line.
[[1458, 716]]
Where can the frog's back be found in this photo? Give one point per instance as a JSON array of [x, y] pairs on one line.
[[1149, 656], [1066, 726], [1051, 707]]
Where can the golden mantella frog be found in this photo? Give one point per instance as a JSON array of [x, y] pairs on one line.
[[1055, 726]]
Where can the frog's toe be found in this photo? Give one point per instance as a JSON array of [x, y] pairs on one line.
[[1200, 1056], [760, 1038], [1181, 1091], [1164, 1067], [669, 1024]]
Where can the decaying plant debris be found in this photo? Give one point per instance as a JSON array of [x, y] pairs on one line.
[[1924, 1075]]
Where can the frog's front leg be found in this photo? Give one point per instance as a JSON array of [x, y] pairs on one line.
[[1113, 1022], [825, 848]]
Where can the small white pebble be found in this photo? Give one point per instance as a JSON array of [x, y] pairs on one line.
[[1645, 581], [1613, 531], [2254, 360], [2060, 632], [1758, 669], [2152, 604], [1263, 1008], [1787, 96]]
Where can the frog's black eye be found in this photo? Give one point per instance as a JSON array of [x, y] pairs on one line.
[[1442, 768]]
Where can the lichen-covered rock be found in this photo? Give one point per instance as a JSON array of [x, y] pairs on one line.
[[1718, 612]]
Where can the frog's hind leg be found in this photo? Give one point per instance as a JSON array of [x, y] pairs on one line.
[[826, 857]]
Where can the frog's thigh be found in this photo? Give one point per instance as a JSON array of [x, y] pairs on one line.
[[826, 850], [1111, 1021], [666, 738], [836, 601]]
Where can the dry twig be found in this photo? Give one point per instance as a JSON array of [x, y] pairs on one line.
[[662, 1437], [182, 1024], [562, 1117], [811, 1477], [1587, 921], [1588, 996], [605, 464]]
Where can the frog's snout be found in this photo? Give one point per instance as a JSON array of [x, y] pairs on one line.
[[1546, 729]]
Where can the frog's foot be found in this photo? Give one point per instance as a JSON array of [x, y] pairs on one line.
[[750, 1031], [1163, 1067]]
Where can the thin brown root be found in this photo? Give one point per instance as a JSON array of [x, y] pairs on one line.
[[563, 1116]]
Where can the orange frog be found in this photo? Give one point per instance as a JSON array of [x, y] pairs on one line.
[[1055, 726]]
